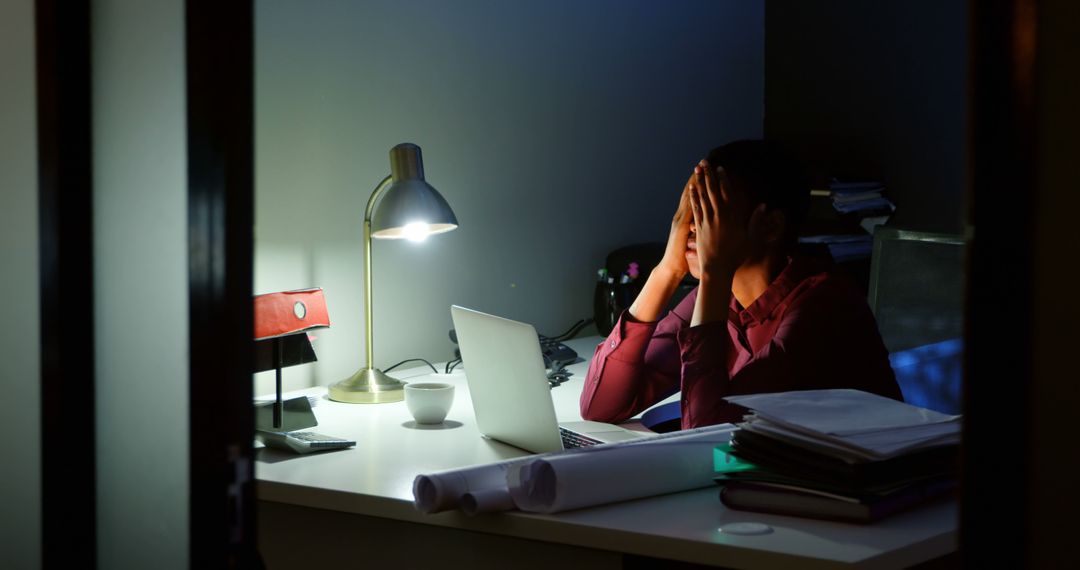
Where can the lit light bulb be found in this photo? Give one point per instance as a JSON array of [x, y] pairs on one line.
[[416, 231]]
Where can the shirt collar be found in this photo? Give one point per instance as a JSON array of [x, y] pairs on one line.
[[797, 269]]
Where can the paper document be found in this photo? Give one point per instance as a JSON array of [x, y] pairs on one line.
[[839, 412], [855, 448], [851, 423]]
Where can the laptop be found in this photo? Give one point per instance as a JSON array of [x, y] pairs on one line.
[[511, 395]]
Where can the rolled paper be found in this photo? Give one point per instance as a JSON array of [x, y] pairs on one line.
[[666, 464], [443, 490], [490, 500], [562, 480]]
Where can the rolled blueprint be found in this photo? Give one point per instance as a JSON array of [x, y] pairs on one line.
[[445, 490], [490, 500], [606, 474], [673, 461]]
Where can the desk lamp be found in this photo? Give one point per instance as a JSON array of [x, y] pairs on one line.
[[411, 209]]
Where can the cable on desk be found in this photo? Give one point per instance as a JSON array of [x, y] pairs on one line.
[[452, 364], [433, 369], [573, 330], [568, 331]]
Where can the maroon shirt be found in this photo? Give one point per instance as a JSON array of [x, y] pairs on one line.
[[811, 329]]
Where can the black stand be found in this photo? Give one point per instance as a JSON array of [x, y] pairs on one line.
[[278, 362], [275, 354]]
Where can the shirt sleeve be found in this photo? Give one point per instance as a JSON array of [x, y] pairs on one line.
[[704, 352], [636, 366]]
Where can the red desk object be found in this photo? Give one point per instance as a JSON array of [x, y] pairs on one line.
[[285, 316], [290, 312]]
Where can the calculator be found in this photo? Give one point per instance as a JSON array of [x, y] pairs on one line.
[[301, 441]]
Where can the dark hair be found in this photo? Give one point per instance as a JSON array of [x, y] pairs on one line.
[[769, 175]]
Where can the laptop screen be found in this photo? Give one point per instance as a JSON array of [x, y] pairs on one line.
[[505, 371]]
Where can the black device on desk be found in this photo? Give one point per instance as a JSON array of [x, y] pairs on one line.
[[291, 435], [302, 441], [555, 351]]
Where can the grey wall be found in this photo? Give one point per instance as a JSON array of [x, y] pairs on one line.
[[140, 283], [875, 90], [20, 354], [557, 130]]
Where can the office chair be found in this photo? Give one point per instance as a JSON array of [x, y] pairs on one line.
[[916, 293]]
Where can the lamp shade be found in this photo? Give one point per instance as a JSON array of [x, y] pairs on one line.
[[410, 207]]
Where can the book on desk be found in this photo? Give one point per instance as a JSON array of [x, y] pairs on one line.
[[798, 498]]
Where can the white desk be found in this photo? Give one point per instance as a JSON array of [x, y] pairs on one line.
[[360, 501]]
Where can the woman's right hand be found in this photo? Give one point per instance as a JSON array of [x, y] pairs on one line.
[[665, 277], [674, 260]]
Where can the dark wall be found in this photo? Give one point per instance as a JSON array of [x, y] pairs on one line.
[[874, 90], [1055, 395]]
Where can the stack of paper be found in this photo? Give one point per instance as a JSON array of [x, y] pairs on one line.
[[864, 197], [849, 424], [837, 454]]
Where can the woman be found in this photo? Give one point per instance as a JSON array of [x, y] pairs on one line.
[[762, 319]]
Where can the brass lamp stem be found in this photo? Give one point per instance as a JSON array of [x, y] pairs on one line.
[[368, 335]]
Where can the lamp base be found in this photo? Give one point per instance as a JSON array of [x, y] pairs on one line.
[[368, 386]]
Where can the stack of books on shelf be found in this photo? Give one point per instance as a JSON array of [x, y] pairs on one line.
[[842, 218], [843, 247], [864, 198], [842, 455]]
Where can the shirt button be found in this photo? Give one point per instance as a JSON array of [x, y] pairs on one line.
[[613, 343]]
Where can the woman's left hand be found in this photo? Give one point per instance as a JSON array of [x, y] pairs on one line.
[[721, 234]]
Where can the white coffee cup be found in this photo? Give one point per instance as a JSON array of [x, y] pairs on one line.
[[429, 402]]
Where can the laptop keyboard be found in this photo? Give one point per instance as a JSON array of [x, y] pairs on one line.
[[571, 439]]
